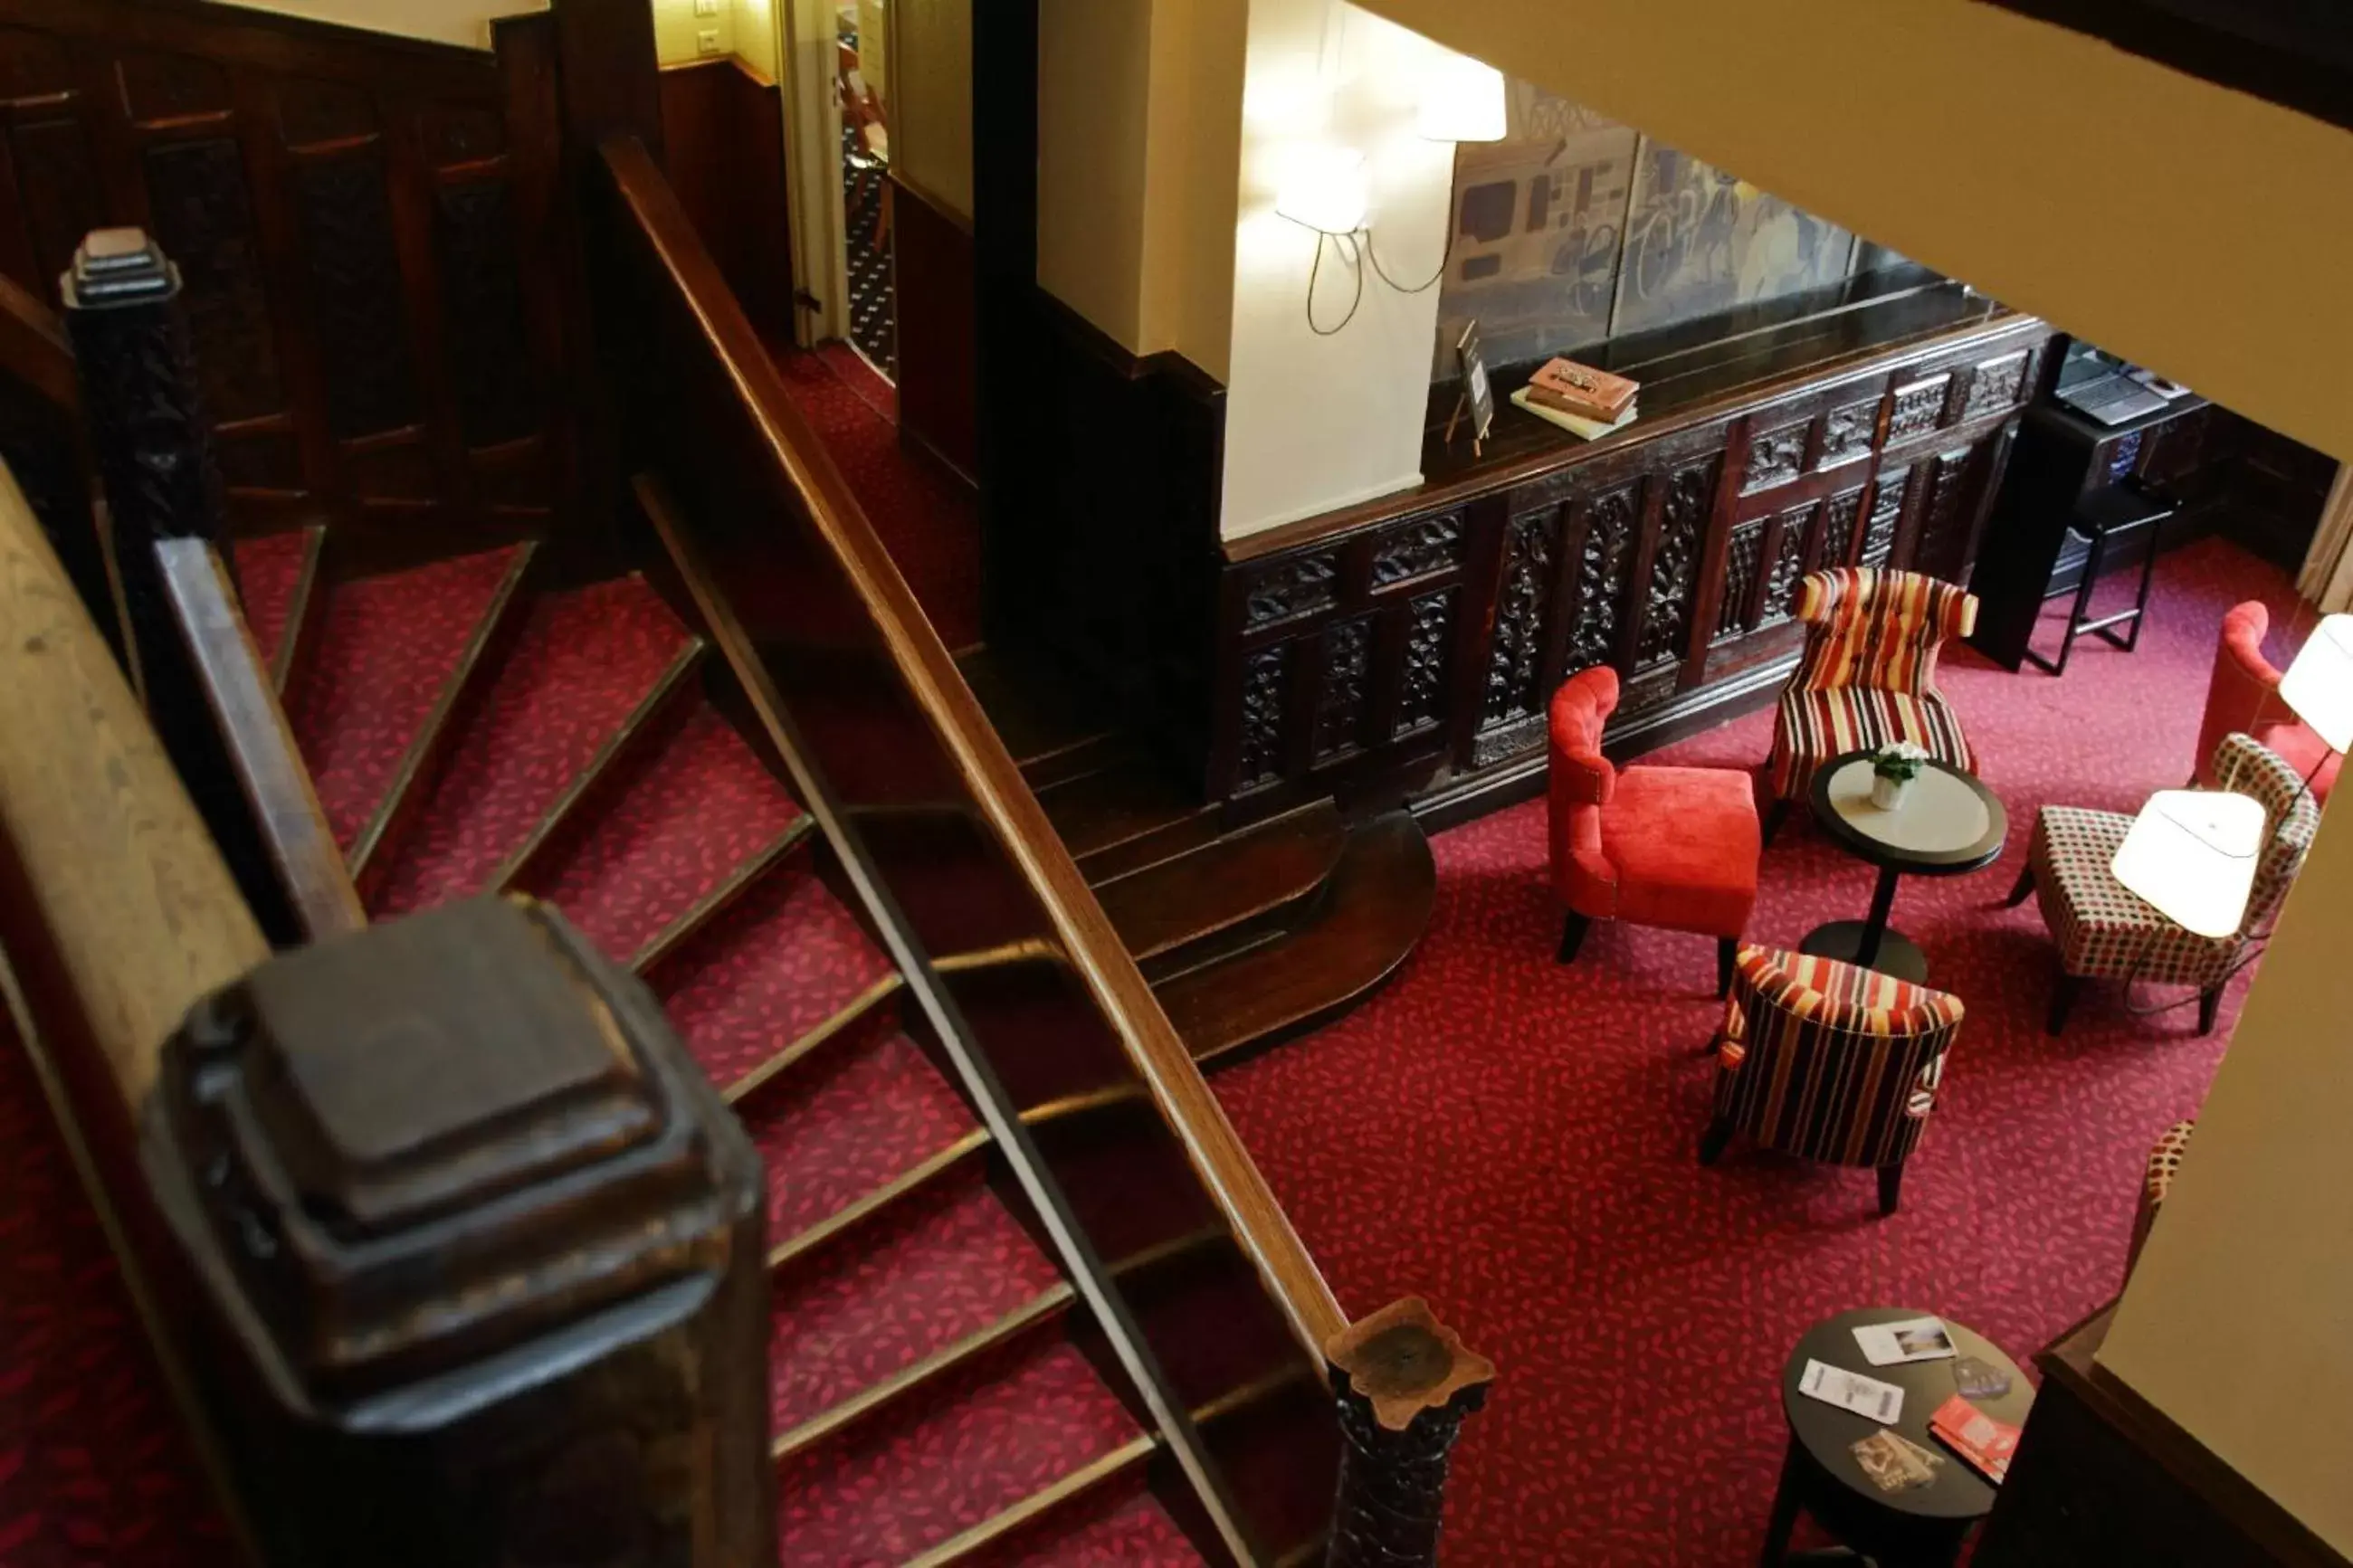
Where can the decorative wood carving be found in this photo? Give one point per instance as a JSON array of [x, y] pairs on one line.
[[1675, 568], [1742, 559], [1514, 663], [1947, 516], [1300, 585], [1340, 699], [1833, 544], [355, 295], [1404, 1382], [1996, 386], [197, 191], [1918, 407], [1775, 457], [1419, 549], [478, 1253], [1798, 539], [1421, 682], [1601, 566], [1886, 512], [1264, 686], [1847, 432]]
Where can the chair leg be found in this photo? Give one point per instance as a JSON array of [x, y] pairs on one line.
[[1891, 1187], [1776, 814], [2021, 888], [1711, 1142], [2063, 992], [2210, 1005], [1726, 946], [1572, 937]]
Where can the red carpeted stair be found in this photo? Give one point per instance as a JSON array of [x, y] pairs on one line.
[[469, 730]]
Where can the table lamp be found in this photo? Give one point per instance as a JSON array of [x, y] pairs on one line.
[[2191, 854], [2318, 686]]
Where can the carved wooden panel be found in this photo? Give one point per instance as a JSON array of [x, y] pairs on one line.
[[481, 294], [58, 194], [170, 92], [1886, 512], [355, 295], [1833, 542], [1426, 663], [1345, 692], [1264, 688], [1775, 457], [1947, 515], [1674, 567], [1419, 549], [1793, 546], [201, 215], [1744, 554], [1917, 407], [1602, 564], [1294, 585], [1996, 386], [1847, 433], [1515, 656]]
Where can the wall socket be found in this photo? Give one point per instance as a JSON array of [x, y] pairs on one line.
[[706, 42]]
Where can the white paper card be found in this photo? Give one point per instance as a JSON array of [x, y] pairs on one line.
[[1907, 1339], [1882, 1402]]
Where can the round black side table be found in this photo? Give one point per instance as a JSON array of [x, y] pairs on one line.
[[1947, 823], [1922, 1527]]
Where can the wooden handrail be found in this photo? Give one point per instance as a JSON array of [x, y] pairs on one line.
[[34, 349], [1114, 984]]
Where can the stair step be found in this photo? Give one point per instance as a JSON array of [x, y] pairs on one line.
[[387, 650], [709, 910], [946, 1267], [269, 572], [1132, 807], [582, 665], [848, 1122], [1021, 1429], [782, 960], [1046, 728], [419, 772], [1374, 912], [1262, 869], [1119, 1525], [699, 809]]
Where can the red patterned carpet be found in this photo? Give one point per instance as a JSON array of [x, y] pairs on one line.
[[1518, 1141]]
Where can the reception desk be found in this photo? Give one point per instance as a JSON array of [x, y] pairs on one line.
[[1407, 649]]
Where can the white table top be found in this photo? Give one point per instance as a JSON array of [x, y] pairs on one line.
[[1941, 812]]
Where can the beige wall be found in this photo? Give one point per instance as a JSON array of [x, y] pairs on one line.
[[465, 22], [1315, 422], [931, 99], [2201, 231], [2239, 1322]]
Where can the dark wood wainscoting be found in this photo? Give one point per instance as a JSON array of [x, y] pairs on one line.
[[365, 226], [939, 377], [723, 132], [1411, 647]]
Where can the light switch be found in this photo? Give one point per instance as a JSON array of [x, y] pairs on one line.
[[706, 42], [706, 7]]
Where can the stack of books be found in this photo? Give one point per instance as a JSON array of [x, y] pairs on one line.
[[1578, 399]]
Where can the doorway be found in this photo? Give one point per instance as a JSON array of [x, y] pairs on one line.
[[861, 86]]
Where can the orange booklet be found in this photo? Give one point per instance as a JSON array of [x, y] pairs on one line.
[[1580, 389], [1976, 1436]]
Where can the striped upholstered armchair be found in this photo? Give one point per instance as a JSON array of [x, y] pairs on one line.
[[2105, 931], [1868, 676], [1829, 1061]]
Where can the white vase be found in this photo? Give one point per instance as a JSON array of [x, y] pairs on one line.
[[1888, 793]]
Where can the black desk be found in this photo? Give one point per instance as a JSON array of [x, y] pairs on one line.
[[1923, 1528]]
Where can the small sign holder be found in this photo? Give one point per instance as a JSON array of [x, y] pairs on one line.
[[1478, 394]]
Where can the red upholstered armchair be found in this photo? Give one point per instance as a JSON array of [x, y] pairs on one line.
[[1868, 676], [1676, 847], [2242, 697]]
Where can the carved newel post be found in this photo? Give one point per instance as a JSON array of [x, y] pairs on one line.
[[478, 1256], [1405, 1382]]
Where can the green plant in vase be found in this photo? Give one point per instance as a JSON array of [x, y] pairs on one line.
[[1892, 768]]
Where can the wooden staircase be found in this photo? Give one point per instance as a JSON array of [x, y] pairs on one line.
[[1249, 932]]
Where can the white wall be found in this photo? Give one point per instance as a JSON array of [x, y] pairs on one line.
[[1312, 422], [2239, 1321]]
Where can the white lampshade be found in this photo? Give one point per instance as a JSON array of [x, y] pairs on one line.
[[1326, 189], [1463, 101], [2319, 687], [2191, 853]]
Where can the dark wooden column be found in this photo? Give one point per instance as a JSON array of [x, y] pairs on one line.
[[1405, 1382], [154, 458], [479, 1255]]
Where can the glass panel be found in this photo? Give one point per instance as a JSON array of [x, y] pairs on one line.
[[1700, 240]]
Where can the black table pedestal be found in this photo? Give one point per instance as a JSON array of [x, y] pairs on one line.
[[1868, 943]]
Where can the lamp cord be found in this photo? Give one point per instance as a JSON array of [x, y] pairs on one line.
[[1315, 271], [1443, 261]]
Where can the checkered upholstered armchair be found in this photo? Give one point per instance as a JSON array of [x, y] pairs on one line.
[[2105, 933], [1868, 676], [1829, 1061]]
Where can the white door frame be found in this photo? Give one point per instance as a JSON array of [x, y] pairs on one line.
[[807, 45]]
